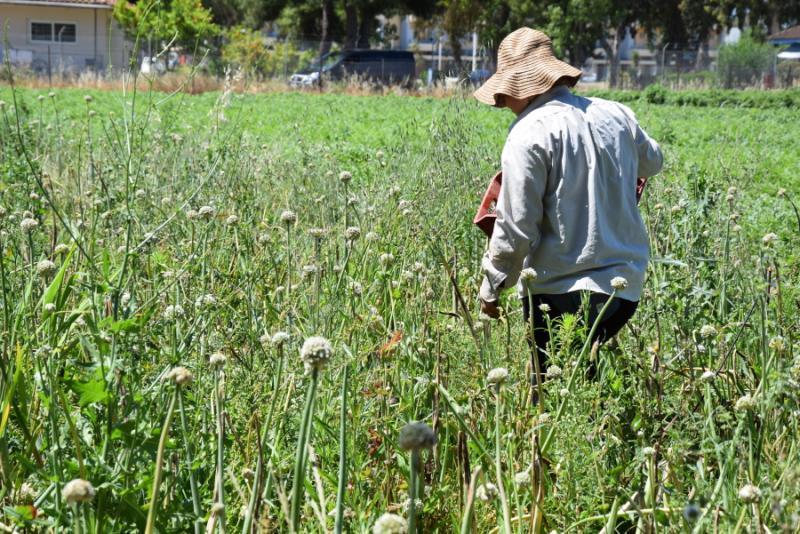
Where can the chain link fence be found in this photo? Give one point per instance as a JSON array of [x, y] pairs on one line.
[[262, 57]]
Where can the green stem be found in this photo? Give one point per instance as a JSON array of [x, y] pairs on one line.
[[339, 525], [162, 444], [300, 455], [190, 462], [412, 493], [498, 463]]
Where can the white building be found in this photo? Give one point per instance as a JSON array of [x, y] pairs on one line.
[[57, 36]]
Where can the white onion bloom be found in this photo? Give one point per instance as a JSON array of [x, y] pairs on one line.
[[352, 233], [317, 233], [523, 478], [232, 220], [279, 338], [777, 343], [619, 283], [708, 330], [49, 307], [77, 491], [648, 451], [769, 239], [180, 375], [390, 524], [708, 376], [217, 359], [544, 307], [315, 353], [486, 492], [528, 274], [61, 248], [173, 311], [386, 259], [553, 372], [345, 177], [206, 212], [288, 217], [416, 436], [205, 301], [497, 375], [749, 493], [745, 403], [28, 225], [45, 268]]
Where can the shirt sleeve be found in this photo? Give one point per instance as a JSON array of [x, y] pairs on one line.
[[651, 160], [519, 215]]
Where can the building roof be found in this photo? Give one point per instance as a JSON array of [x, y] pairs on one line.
[[101, 4], [788, 35]]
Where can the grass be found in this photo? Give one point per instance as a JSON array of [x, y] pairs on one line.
[[176, 253]]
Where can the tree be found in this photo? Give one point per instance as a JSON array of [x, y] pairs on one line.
[[180, 22]]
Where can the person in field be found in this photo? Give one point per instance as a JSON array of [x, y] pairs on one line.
[[568, 206]]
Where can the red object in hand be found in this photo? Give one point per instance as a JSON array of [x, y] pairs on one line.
[[486, 215], [640, 183]]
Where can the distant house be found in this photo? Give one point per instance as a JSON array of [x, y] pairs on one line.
[[63, 36], [790, 38]]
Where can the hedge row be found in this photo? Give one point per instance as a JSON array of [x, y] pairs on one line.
[[657, 94]]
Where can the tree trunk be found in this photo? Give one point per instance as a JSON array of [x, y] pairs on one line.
[[455, 46], [350, 25], [612, 55], [365, 27], [324, 41]]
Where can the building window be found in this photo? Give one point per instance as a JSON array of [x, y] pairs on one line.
[[53, 32]]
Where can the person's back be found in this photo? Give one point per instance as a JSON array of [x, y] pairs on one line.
[[591, 230]]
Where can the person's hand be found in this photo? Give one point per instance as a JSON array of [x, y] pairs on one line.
[[490, 308]]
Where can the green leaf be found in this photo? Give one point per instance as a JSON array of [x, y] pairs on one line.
[[91, 391]]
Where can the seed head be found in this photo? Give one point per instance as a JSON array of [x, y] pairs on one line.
[[416, 436], [648, 451], [87, 98], [523, 478], [217, 359], [45, 268], [352, 233], [28, 225], [769, 239], [708, 376], [386, 259], [707, 331], [279, 338], [497, 375], [205, 301], [317, 233], [390, 524], [528, 274], [173, 311], [777, 343], [749, 493], [180, 375], [372, 237], [315, 353], [619, 283], [745, 403], [232, 220], [553, 372], [486, 492], [77, 491], [206, 212], [345, 177], [781, 192], [288, 217], [61, 248]]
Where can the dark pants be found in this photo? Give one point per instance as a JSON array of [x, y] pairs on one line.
[[615, 317]]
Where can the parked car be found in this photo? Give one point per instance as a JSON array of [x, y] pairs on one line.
[[379, 66]]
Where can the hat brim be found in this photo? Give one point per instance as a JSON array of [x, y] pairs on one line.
[[526, 82]]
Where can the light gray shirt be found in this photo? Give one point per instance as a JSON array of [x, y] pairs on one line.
[[567, 205]]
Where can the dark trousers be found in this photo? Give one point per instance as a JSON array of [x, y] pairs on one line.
[[615, 317]]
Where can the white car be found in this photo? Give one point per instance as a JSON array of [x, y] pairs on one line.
[[304, 80]]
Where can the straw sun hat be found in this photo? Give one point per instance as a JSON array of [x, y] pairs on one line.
[[526, 67]]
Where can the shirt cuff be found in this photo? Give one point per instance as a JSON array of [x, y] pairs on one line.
[[488, 292]]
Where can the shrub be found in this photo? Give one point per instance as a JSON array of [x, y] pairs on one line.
[[742, 64]]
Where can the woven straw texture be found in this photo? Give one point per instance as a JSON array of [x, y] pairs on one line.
[[526, 67]]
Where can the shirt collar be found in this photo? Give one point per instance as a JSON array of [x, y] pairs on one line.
[[556, 93]]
